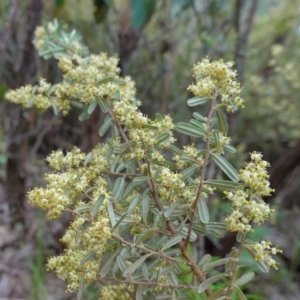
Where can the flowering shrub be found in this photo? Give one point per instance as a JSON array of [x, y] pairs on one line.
[[135, 211]]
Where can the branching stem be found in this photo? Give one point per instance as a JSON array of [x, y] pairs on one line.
[[236, 264], [181, 245], [203, 170]]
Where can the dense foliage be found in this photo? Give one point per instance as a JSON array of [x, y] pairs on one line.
[[138, 201]]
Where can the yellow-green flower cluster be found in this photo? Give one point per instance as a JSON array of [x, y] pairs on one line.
[[191, 152], [40, 34], [219, 78], [70, 180], [117, 292], [170, 185], [255, 175], [248, 209], [263, 252]]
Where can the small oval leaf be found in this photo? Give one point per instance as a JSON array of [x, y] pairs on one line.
[[222, 123], [203, 211], [198, 101], [208, 282], [171, 242], [92, 107], [244, 279], [226, 167]]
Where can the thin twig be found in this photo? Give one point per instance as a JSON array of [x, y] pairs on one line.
[[203, 170], [151, 283], [154, 253], [236, 264], [181, 245]]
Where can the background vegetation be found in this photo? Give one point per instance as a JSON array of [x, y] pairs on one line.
[[157, 43]]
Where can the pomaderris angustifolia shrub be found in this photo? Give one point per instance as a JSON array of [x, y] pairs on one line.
[[136, 213]]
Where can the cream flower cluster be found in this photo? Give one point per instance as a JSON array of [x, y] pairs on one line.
[[263, 252], [117, 292], [170, 184], [191, 155], [70, 180], [248, 209], [217, 77], [70, 266]]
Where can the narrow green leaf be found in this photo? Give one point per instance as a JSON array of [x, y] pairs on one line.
[[184, 231], [103, 106], [199, 125], [222, 123], [239, 236], [151, 127], [226, 167], [189, 130], [230, 265], [165, 163], [121, 166], [208, 282], [198, 101], [119, 82], [229, 148], [216, 137], [189, 171], [240, 293], [111, 214], [145, 271], [133, 204], [176, 150], [139, 292], [200, 228], [145, 207], [88, 158], [203, 211], [92, 107], [199, 117], [116, 95], [54, 108], [216, 233], [158, 117], [145, 236], [108, 266], [139, 180], [223, 184], [106, 124], [168, 212], [244, 279], [83, 115], [127, 145], [83, 208], [76, 104], [216, 226], [136, 265], [106, 80], [88, 256], [80, 293], [118, 189], [128, 191], [121, 263], [120, 220], [171, 242], [163, 137], [188, 158], [204, 260], [97, 205], [114, 163], [216, 295], [217, 263]]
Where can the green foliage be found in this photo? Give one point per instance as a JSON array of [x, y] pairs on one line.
[[135, 208]]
